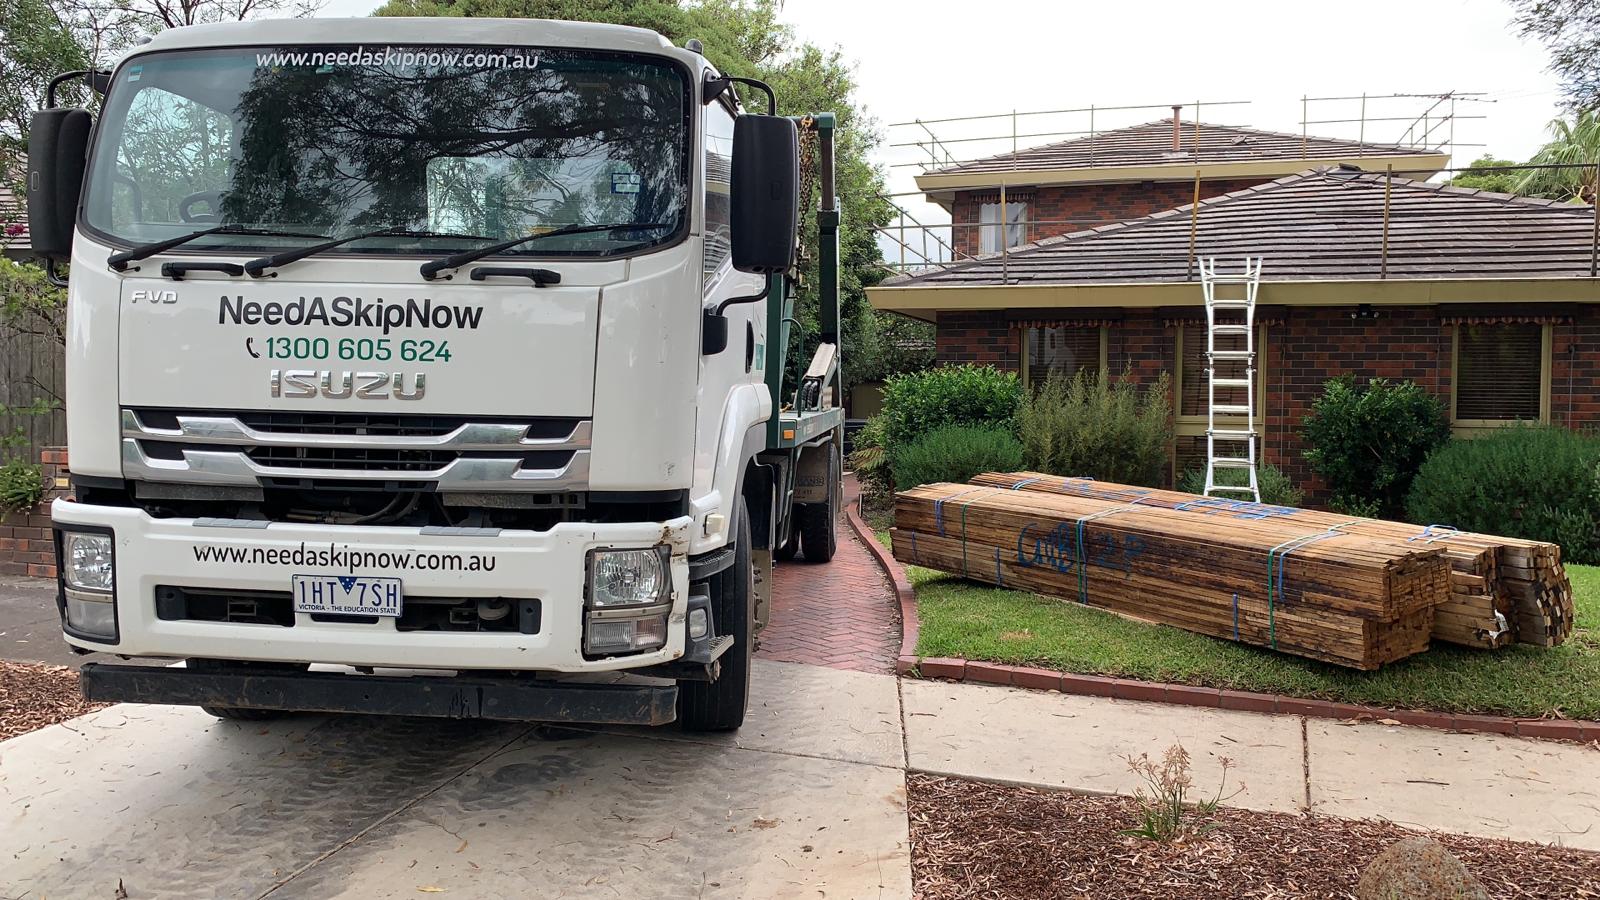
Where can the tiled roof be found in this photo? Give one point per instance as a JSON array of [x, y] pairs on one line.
[[1321, 225], [13, 217], [1150, 144]]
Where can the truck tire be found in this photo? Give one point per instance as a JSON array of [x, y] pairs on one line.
[[817, 520], [719, 705]]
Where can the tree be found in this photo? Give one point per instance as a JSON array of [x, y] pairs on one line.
[[1570, 30], [35, 46], [1573, 143], [746, 38], [1485, 179]]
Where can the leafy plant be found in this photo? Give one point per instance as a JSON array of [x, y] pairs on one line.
[[22, 485], [1276, 488], [917, 403], [1098, 427], [869, 459], [1368, 441], [955, 453], [1163, 799], [1535, 482], [1574, 144]]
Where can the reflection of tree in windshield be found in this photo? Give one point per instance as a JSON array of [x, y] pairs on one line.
[[494, 151]]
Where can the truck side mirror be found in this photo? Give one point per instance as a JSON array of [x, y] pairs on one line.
[[58, 142], [765, 186]]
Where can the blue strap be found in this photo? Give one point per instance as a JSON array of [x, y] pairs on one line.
[[1275, 579], [1428, 536], [1236, 616], [938, 508], [1081, 550], [999, 577], [1025, 482], [915, 556]]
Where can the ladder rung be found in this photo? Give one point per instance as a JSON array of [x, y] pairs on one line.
[[1239, 488], [1229, 434], [1231, 279], [1231, 409], [1230, 304], [1230, 329], [1230, 382], [1228, 462], [1233, 355]]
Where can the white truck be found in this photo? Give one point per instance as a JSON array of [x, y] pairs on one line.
[[434, 367]]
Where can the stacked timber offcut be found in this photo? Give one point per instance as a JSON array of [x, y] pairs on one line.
[[1353, 600], [1502, 590]]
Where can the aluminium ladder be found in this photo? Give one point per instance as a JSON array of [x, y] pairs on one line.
[[1231, 315]]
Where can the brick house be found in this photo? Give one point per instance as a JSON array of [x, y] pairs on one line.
[[1114, 176], [1487, 300]]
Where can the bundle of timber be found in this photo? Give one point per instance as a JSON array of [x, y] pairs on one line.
[[1354, 600], [1502, 590]]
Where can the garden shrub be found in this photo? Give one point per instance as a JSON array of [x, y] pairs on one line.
[[1094, 426], [1276, 488], [1534, 482], [1368, 441], [955, 453], [21, 485], [869, 459], [915, 404]]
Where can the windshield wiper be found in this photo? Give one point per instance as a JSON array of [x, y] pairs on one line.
[[430, 269], [257, 266], [119, 261]]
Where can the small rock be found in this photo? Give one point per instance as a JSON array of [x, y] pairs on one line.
[[1418, 869]]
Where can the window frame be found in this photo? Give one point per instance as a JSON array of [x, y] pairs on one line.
[[1192, 426], [1022, 355], [1003, 226], [1469, 427]]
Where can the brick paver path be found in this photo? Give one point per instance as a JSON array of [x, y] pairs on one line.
[[842, 615]]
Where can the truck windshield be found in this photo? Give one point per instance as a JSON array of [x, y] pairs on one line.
[[436, 143]]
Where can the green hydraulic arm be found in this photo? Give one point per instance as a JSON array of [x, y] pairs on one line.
[[796, 427]]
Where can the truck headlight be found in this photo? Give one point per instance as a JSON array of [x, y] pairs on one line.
[[619, 578], [92, 615], [628, 596], [86, 561]]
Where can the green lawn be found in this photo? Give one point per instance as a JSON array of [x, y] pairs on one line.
[[964, 619]]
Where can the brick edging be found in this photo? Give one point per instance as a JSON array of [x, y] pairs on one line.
[[1182, 694], [1189, 695], [910, 625]]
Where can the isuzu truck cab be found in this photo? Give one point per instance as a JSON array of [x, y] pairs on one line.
[[435, 367]]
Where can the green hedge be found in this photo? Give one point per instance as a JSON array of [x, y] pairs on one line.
[[1534, 482], [1368, 441], [955, 453], [915, 404], [1095, 426]]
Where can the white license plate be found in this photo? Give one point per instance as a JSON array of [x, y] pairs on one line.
[[347, 595]]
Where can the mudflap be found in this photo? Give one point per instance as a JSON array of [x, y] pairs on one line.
[[452, 697]]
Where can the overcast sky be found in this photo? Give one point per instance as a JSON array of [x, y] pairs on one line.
[[946, 58]]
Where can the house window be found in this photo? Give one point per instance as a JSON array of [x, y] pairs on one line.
[[1062, 350], [991, 230], [1501, 373], [1192, 397]]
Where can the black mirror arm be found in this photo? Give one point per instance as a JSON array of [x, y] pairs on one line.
[[53, 275], [732, 301], [98, 81], [716, 86]]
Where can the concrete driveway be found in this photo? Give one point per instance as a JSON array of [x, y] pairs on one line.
[[807, 800]]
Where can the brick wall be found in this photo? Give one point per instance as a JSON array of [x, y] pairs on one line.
[[1085, 205], [1305, 348], [26, 545]]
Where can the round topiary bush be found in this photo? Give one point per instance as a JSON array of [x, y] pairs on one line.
[[915, 404], [1533, 482]]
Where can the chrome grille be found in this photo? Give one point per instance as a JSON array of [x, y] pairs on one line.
[[450, 453]]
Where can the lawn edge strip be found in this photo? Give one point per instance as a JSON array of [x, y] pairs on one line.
[[910, 624], [979, 672]]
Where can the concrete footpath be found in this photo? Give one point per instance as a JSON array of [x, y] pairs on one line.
[[807, 800]]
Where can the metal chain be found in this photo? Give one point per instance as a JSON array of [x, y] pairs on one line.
[[808, 172]]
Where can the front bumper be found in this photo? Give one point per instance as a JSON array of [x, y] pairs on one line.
[[454, 697], [431, 562]]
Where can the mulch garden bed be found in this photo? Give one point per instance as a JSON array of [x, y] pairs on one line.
[[33, 696], [978, 840]]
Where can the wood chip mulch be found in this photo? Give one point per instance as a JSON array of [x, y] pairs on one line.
[[992, 842], [33, 696]]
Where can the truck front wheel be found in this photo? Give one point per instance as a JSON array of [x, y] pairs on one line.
[[719, 705]]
